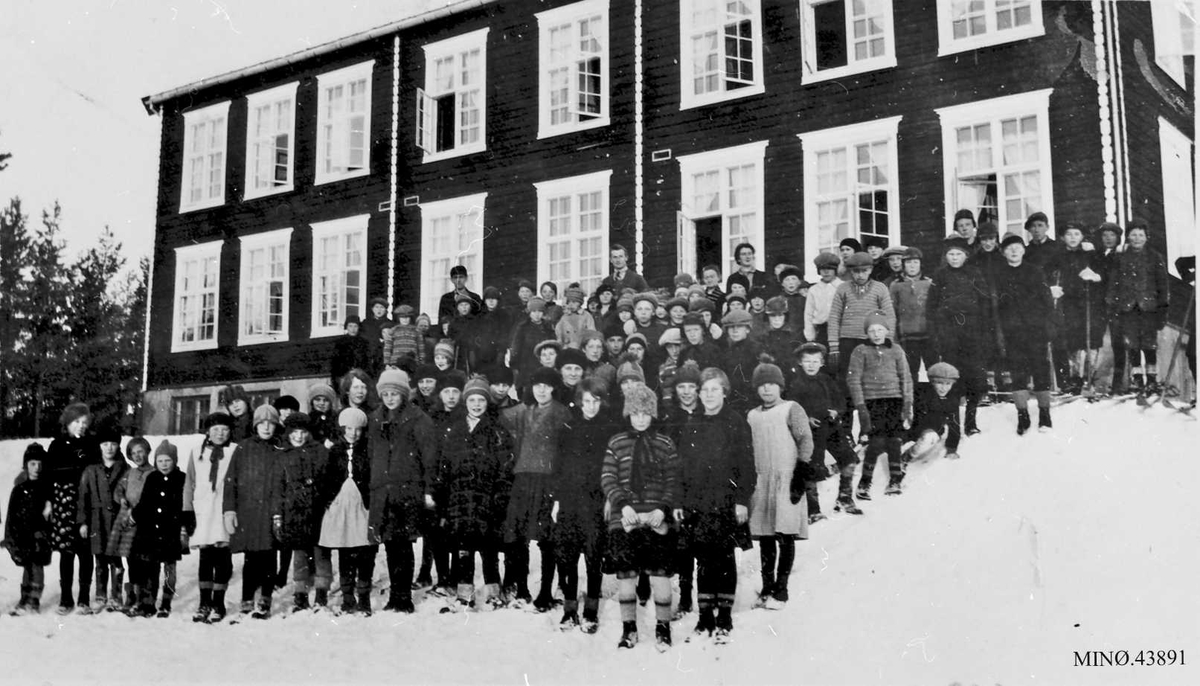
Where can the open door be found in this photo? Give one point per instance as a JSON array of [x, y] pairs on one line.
[[685, 244]]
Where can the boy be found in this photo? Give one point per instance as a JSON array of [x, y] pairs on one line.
[[795, 292], [372, 330], [704, 352], [97, 513], [852, 301], [526, 336], [758, 313], [350, 351], [670, 343], [881, 388], [910, 295], [491, 332], [711, 276], [500, 380], [780, 340], [27, 531], [163, 526], [575, 320], [297, 504], [740, 359], [614, 341], [935, 420], [403, 339], [822, 398], [820, 298]]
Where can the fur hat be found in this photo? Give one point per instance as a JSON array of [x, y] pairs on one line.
[[734, 298], [777, 306], [684, 280], [351, 319], [297, 420], [491, 293], [956, 243], [72, 412], [677, 302], [636, 337], [536, 304], [426, 371], [648, 297], [1010, 238], [545, 375], [573, 356], [670, 337], [548, 343], [167, 448], [826, 260], [942, 370], [964, 214], [810, 348], [736, 318], [393, 379], [738, 278], [913, 254], [265, 413], [640, 400], [692, 319], [688, 372], [352, 418], [1036, 217], [499, 374], [702, 305], [859, 259], [613, 329], [287, 402], [455, 378], [767, 372], [574, 294], [851, 243], [629, 368], [876, 317], [34, 451], [135, 441], [108, 432], [790, 270], [987, 229], [232, 393], [218, 419], [444, 347], [477, 386]]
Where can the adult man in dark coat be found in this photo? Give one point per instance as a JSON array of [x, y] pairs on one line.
[[622, 275], [447, 305]]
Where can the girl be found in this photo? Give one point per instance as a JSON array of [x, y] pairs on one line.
[[127, 494], [237, 404], [549, 291], [248, 483], [67, 457], [356, 391], [97, 514], [297, 506], [575, 320], [164, 529], [607, 313], [203, 499], [322, 413], [27, 530], [426, 396], [344, 525], [778, 513]]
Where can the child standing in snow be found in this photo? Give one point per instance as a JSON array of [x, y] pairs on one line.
[[935, 421], [344, 525], [296, 509], [823, 399], [127, 494], [66, 458], [27, 530], [882, 391], [162, 531], [203, 500], [246, 502], [783, 447], [97, 514]]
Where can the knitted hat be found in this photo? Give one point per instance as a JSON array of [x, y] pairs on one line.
[[648, 297], [426, 371], [736, 318], [988, 229], [455, 378], [352, 418], [573, 356], [895, 251], [1036, 217], [297, 420], [548, 343], [35, 451], [444, 347], [640, 400], [287, 402], [702, 305], [1110, 227], [72, 412], [826, 260], [942, 370], [859, 259], [136, 441], [765, 373], [625, 302], [790, 270], [218, 419], [613, 329], [377, 301], [692, 319], [964, 214], [477, 386], [1010, 238], [777, 306], [677, 302], [167, 448], [351, 319], [392, 379], [688, 372], [670, 337], [913, 254], [734, 298], [265, 413], [636, 337], [499, 374], [588, 336], [423, 319], [955, 243], [629, 368], [536, 304], [491, 293], [545, 375], [696, 290], [404, 311], [809, 348], [876, 317], [683, 280], [574, 294], [738, 278], [851, 243]]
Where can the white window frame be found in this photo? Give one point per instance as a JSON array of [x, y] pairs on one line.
[[992, 112], [595, 12], [574, 187], [208, 258], [688, 98], [723, 162], [810, 73], [949, 45], [340, 229], [285, 96], [426, 106], [203, 153], [465, 212], [255, 297], [848, 139], [344, 77], [1170, 25], [1179, 201]]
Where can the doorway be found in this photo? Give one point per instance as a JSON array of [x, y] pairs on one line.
[[708, 242]]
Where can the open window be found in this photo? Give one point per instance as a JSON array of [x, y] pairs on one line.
[[720, 50], [450, 109], [844, 37]]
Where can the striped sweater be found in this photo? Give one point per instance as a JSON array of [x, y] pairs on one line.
[[650, 483], [401, 340], [850, 307], [880, 371]]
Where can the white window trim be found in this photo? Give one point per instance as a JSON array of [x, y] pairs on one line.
[[564, 15], [814, 142], [1022, 104], [322, 230], [1179, 223], [722, 159], [810, 73], [947, 45], [573, 185], [326, 80], [454, 46], [1168, 41], [451, 207], [254, 101], [251, 242], [183, 254], [687, 98], [217, 111]]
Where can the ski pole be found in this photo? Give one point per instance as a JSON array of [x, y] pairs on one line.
[[1187, 319]]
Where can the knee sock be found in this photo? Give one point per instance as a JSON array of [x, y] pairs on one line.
[[660, 587], [787, 553], [895, 460], [1021, 400], [627, 596], [547, 563], [767, 551]]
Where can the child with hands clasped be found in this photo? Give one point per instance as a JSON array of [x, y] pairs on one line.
[[27, 530], [881, 389], [162, 530]]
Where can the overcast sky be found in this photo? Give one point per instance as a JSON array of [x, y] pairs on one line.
[[74, 73]]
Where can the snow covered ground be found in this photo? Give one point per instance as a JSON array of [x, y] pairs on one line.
[[993, 569]]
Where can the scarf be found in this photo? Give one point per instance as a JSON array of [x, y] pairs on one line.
[[218, 452]]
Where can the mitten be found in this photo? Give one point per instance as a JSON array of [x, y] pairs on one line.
[[864, 419], [188, 519], [796, 489]]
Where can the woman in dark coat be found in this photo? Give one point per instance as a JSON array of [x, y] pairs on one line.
[[1138, 294], [246, 506], [160, 538], [473, 480], [297, 505], [1025, 308], [97, 514], [66, 459]]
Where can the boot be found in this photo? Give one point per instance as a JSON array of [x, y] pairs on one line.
[[321, 601], [768, 588], [662, 636], [349, 606], [493, 598], [893, 487], [724, 621], [685, 600], [164, 610], [217, 613], [970, 428], [629, 635], [263, 610], [707, 623], [1023, 422], [591, 615], [245, 609], [569, 621], [131, 594], [864, 491], [364, 603], [205, 608], [846, 504], [300, 602], [779, 594], [1044, 419]]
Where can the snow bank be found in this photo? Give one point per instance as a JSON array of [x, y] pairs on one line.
[[995, 568]]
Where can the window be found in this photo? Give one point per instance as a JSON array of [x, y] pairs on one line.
[[197, 274], [264, 288], [344, 123], [851, 186], [450, 108], [271, 117], [573, 62], [1174, 36], [720, 50], [722, 193], [204, 142], [1179, 201], [452, 232], [573, 230], [262, 397], [187, 413], [970, 24], [846, 37], [996, 159], [339, 272]]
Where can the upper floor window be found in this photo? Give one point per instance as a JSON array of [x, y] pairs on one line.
[[573, 225], [722, 203], [452, 233], [204, 141], [996, 159], [1174, 36], [271, 120], [969, 24], [851, 186], [344, 123], [720, 50], [451, 111], [573, 68], [264, 287], [339, 273], [1179, 199], [197, 276], [846, 37]]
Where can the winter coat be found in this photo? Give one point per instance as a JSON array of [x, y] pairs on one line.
[[535, 431], [780, 344], [1044, 255], [403, 449], [242, 428], [204, 499], [959, 301], [880, 371], [160, 517], [127, 494], [324, 426], [988, 263], [910, 298], [570, 327], [297, 495], [66, 458], [474, 476], [576, 477], [648, 483], [817, 394], [349, 352], [850, 307], [448, 306], [716, 457], [26, 529], [1082, 302], [489, 339], [97, 507], [1139, 281], [1025, 306], [738, 363], [372, 330], [707, 354], [403, 340], [462, 332], [248, 483], [525, 336], [631, 279], [937, 414]]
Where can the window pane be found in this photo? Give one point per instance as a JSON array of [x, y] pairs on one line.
[[830, 33]]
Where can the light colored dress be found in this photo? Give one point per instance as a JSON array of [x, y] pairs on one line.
[[345, 524], [777, 448]]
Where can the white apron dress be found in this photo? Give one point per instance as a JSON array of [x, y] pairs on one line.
[[775, 456], [345, 522]]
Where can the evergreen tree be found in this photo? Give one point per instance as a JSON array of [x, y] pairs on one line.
[[14, 253]]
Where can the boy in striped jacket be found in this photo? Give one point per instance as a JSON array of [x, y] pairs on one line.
[[881, 389]]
